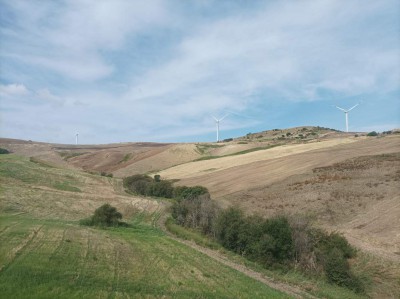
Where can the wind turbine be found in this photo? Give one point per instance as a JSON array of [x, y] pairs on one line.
[[217, 122], [76, 138], [346, 113]]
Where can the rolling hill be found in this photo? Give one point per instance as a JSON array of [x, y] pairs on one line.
[[344, 183]]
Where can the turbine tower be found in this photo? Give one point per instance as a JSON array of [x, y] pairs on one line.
[[346, 113], [76, 138], [217, 122]]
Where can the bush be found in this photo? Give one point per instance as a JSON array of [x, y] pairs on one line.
[[196, 212], [160, 189], [335, 240], [185, 192], [227, 228], [4, 151], [279, 230], [103, 173], [373, 133], [138, 183], [337, 270], [106, 215]]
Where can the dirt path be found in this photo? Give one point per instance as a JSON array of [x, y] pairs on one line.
[[218, 256]]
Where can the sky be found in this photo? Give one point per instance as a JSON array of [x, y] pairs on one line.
[[159, 70]]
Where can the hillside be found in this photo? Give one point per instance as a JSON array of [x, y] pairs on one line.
[[343, 183], [123, 159], [46, 253]]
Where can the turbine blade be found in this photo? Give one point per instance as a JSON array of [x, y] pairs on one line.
[[353, 107], [224, 116], [214, 118], [341, 109]]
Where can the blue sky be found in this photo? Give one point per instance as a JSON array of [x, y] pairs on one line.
[[118, 71]]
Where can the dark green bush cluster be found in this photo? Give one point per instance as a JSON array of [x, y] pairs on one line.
[[103, 173], [4, 151], [104, 216], [333, 252], [373, 133], [228, 140], [147, 186], [194, 208], [184, 192], [280, 241], [264, 240]]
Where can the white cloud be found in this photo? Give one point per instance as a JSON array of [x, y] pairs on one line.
[[71, 38], [89, 59], [14, 89]]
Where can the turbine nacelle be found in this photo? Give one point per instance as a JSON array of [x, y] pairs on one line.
[[346, 113], [217, 122]]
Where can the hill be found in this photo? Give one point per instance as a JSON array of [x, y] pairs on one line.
[[46, 253], [342, 182]]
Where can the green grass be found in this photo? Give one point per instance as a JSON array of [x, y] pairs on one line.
[[45, 253], [56, 259], [36, 172], [66, 187], [69, 155], [314, 285]]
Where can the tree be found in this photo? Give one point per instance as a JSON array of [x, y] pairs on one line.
[[106, 215], [4, 151]]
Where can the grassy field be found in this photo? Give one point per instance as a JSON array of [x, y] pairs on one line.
[[59, 259], [44, 253]]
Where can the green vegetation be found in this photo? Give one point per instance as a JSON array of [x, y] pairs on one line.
[[103, 173], [125, 158], [372, 134], [45, 253], [64, 186], [4, 151], [34, 171], [204, 148], [104, 216], [69, 155], [41, 162], [278, 241], [54, 259]]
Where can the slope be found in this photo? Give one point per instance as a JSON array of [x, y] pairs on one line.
[[46, 254]]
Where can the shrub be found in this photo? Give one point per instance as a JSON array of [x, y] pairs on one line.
[[103, 173], [335, 240], [160, 189], [337, 270], [336, 267], [197, 212], [373, 133], [279, 229], [227, 228], [185, 192], [157, 178], [106, 215], [138, 183], [4, 151]]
